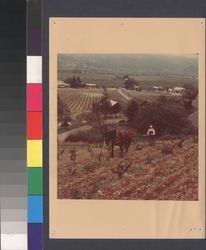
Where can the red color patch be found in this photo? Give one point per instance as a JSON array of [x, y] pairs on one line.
[[34, 125], [34, 97]]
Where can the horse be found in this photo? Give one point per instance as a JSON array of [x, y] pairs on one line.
[[121, 138]]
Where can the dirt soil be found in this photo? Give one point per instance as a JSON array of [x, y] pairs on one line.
[[144, 173]]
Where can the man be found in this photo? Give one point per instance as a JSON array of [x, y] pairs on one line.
[[151, 134], [151, 130]]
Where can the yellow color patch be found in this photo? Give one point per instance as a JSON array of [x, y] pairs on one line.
[[34, 153]]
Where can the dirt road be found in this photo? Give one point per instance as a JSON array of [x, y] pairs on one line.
[[62, 137]]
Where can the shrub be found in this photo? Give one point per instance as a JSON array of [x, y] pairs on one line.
[[132, 110], [167, 117], [90, 136]]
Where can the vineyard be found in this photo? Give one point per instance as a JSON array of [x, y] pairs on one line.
[[81, 100], [149, 96], [148, 175]]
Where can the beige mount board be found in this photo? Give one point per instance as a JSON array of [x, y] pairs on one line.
[[130, 218]]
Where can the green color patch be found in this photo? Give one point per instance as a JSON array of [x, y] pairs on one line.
[[34, 178]]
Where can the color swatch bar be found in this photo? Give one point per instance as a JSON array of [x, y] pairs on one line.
[[34, 127], [13, 179]]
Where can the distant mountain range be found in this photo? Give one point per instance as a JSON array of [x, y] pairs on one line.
[[130, 63]]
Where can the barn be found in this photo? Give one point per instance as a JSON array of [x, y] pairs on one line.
[[156, 88], [91, 85], [115, 106], [179, 90]]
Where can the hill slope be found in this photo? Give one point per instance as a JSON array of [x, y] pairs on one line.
[[166, 177], [130, 63]]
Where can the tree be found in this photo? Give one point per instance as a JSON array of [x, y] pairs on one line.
[[78, 80], [167, 117], [132, 110], [190, 92], [95, 120], [103, 106], [189, 95], [100, 110], [68, 80], [130, 83], [73, 83]]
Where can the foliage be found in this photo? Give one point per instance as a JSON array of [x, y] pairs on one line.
[[103, 106], [132, 110], [167, 117], [74, 82], [95, 120], [90, 136], [189, 95], [68, 80], [190, 92], [130, 83], [100, 110]]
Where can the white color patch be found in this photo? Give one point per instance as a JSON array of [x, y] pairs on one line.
[[34, 69], [14, 241]]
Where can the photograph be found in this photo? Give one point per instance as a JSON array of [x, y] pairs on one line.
[[127, 126]]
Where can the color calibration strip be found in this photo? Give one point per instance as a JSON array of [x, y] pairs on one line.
[[34, 126], [13, 196]]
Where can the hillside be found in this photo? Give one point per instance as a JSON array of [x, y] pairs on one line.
[[147, 70], [151, 175], [129, 63]]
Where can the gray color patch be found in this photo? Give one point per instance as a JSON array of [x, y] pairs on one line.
[[12, 129], [13, 190], [12, 153], [14, 227], [12, 142], [12, 166], [13, 215], [13, 178], [12, 116], [13, 203]]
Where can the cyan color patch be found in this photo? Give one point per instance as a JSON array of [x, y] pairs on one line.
[[35, 209]]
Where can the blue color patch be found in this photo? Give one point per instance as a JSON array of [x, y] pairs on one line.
[[35, 209]]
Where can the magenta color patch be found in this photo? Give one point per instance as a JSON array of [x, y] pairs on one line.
[[34, 97]]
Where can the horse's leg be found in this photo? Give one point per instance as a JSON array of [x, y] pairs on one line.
[[121, 150], [127, 146], [112, 150]]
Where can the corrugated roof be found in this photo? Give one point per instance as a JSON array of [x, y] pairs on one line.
[[112, 102]]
